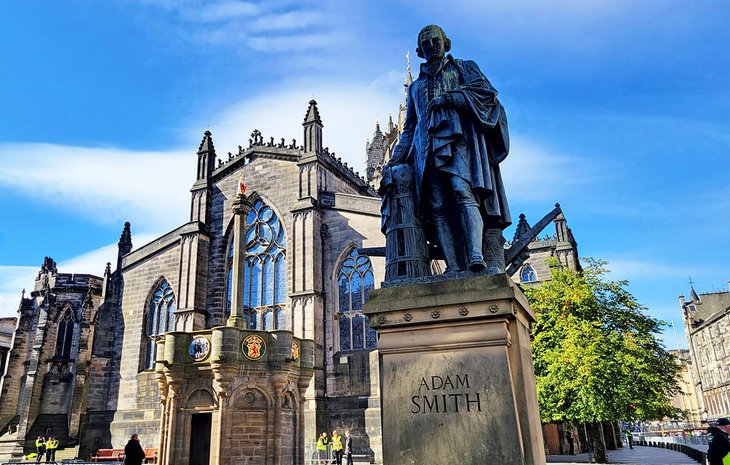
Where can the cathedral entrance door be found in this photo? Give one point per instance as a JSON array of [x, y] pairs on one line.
[[200, 438]]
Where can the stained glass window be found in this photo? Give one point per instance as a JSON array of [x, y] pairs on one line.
[[160, 319], [65, 334], [264, 273], [354, 282], [527, 274]]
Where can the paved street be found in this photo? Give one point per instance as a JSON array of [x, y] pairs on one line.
[[637, 455]]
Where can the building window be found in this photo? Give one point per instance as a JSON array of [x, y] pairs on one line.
[[264, 273], [355, 280], [160, 319], [527, 275], [65, 334]]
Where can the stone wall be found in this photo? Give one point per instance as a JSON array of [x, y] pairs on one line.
[[138, 404]]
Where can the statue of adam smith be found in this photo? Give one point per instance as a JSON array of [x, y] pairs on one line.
[[455, 136]]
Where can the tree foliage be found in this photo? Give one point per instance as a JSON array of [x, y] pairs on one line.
[[595, 350]]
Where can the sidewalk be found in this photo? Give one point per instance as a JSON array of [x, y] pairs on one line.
[[638, 455]]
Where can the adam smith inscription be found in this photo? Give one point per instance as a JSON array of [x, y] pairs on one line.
[[437, 394]]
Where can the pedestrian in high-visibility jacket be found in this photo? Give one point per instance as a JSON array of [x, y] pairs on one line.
[[40, 447], [322, 444], [337, 446], [51, 446]]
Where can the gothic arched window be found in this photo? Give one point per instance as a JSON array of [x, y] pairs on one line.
[[527, 274], [354, 281], [160, 319], [264, 273], [65, 334]]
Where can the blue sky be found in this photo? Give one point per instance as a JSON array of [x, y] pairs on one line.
[[617, 110]]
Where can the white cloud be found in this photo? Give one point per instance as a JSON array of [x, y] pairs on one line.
[[105, 184], [256, 25], [206, 11], [294, 42], [94, 261], [287, 21], [13, 279], [225, 10]]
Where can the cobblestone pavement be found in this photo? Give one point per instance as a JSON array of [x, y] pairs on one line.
[[637, 455]]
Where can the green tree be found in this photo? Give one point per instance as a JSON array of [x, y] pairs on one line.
[[596, 354]]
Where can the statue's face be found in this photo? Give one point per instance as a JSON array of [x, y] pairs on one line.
[[433, 44]]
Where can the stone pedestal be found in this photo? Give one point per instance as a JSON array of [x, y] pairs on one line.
[[458, 385]]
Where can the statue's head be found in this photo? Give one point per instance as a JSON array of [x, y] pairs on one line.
[[432, 43]]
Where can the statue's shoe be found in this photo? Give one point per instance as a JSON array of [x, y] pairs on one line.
[[477, 264]]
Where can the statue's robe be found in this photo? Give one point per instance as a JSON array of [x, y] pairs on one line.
[[468, 141]]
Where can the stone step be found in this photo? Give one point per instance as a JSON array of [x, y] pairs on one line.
[[9, 448]]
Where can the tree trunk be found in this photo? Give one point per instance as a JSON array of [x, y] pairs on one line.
[[610, 435], [618, 433], [596, 443]]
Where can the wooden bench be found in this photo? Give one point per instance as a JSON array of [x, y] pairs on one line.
[[108, 455], [150, 455]]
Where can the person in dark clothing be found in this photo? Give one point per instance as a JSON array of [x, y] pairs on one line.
[[571, 444], [133, 452], [719, 442], [348, 447]]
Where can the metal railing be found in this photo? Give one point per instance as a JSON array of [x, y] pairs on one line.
[[683, 444]]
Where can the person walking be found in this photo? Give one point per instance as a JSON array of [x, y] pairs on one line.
[[629, 438], [40, 447], [348, 447], [51, 446], [322, 443], [337, 446], [718, 441], [133, 452]]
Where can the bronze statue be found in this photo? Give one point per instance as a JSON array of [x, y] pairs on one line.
[[455, 136]]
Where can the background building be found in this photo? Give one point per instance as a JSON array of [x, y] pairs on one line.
[[7, 328], [687, 398], [707, 325]]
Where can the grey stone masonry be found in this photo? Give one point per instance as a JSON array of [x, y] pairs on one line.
[[43, 389]]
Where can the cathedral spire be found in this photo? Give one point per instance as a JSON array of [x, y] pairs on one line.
[[693, 295], [375, 152], [125, 244], [409, 77], [523, 227], [206, 156], [312, 129]]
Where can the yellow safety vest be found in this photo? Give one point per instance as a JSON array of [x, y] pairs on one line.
[[337, 442], [322, 443], [52, 444], [38, 443]]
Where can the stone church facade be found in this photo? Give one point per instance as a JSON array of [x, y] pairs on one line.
[[237, 337]]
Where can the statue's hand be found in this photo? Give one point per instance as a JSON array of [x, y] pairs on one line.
[[442, 101]]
